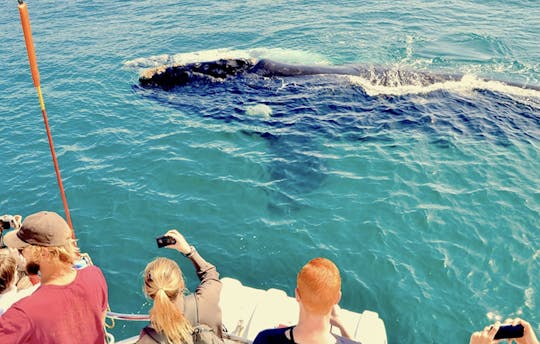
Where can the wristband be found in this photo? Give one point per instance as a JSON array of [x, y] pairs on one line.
[[190, 253]]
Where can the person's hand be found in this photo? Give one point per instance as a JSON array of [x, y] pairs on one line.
[[181, 243], [335, 320], [17, 221], [528, 334], [486, 336]]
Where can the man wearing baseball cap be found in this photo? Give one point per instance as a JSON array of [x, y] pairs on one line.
[[70, 305]]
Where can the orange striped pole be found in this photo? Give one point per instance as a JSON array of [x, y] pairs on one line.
[[25, 22]]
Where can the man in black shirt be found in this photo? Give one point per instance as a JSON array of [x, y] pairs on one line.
[[318, 290]]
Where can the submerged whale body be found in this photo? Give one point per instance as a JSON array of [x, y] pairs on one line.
[[168, 77], [310, 111]]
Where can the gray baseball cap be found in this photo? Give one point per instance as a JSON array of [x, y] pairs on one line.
[[45, 228]]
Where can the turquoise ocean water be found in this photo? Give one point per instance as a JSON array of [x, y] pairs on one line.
[[427, 198]]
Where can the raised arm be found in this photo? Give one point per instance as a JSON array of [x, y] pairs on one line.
[[335, 320], [208, 291], [207, 272]]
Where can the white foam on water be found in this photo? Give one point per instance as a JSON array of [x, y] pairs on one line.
[[494, 316], [261, 110], [465, 85], [147, 62], [529, 298], [280, 54]]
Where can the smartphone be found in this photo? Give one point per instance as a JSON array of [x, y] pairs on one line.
[[509, 331], [4, 224], [165, 240]]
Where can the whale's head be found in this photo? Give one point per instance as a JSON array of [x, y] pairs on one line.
[[168, 77]]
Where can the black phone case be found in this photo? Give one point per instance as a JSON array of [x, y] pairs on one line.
[[509, 331], [163, 241]]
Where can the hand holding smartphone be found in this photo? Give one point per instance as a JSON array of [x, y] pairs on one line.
[[509, 331], [175, 240], [165, 240]]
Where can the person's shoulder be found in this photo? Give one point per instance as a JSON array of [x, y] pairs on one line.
[[343, 340], [149, 335], [29, 298], [22, 294], [276, 331], [145, 339], [91, 275], [271, 334], [14, 324], [91, 270], [19, 311]]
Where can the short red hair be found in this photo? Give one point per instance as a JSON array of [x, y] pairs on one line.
[[319, 285]]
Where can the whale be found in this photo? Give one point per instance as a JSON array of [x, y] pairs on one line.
[[169, 76], [294, 117]]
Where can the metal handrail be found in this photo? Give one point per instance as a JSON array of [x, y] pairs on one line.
[[146, 317], [128, 316]]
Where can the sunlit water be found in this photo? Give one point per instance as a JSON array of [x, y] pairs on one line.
[[427, 198]]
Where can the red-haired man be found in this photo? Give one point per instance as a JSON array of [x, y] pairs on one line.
[[318, 291]]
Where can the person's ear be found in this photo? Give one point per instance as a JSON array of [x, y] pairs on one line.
[[338, 297], [297, 294]]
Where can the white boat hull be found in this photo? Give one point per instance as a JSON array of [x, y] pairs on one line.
[[246, 311]]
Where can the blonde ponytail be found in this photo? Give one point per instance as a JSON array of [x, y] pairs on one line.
[[163, 283]]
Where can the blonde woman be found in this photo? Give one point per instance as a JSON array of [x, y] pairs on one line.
[[173, 315]]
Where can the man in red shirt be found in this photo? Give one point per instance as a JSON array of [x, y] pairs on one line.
[[70, 305]]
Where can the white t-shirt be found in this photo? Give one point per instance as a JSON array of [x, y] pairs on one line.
[[12, 295]]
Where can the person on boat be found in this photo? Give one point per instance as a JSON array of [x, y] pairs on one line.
[[173, 314], [9, 294], [23, 280], [32, 270], [70, 305], [318, 291], [488, 334]]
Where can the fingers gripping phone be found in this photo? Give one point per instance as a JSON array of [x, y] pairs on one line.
[[165, 240], [509, 331]]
